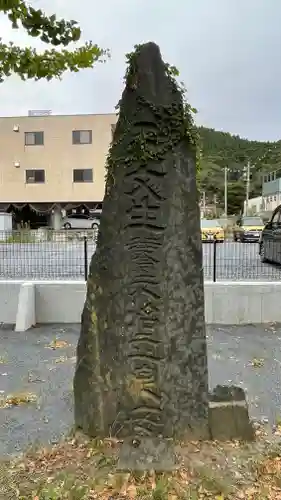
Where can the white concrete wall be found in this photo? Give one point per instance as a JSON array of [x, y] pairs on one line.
[[241, 303], [9, 297], [59, 302], [226, 303]]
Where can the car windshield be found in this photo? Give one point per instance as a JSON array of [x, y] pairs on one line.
[[252, 221], [207, 224]]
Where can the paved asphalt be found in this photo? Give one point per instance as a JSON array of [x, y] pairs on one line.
[[58, 260], [29, 365]]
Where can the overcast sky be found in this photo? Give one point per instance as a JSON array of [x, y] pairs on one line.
[[227, 51]]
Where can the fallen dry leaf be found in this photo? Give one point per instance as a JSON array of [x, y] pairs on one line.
[[17, 400], [79, 459], [257, 363], [57, 344], [61, 359]]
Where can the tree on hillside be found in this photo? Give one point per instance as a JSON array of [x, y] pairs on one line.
[[31, 64], [220, 150], [235, 197], [210, 177]]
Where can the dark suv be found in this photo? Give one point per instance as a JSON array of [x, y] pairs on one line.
[[270, 241]]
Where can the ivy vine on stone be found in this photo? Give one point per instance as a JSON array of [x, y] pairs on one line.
[[173, 123]]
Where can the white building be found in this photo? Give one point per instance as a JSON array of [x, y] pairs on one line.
[[271, 190], [262, 204], [255, 206]]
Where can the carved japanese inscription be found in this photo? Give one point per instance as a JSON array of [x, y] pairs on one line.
[[146, 354]]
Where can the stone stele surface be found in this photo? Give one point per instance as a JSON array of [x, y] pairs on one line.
[[142, 362]]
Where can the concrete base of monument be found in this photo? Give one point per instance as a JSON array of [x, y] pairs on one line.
[[145, 454], [228, 420], [229, 416]]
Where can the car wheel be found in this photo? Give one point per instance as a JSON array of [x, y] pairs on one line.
[[262, 253], [95, 226], [67, 225]]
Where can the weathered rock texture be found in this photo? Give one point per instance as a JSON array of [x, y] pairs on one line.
[[142, 364]]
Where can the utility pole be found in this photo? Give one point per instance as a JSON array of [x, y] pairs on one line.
[[225, 191], [204, 203], [247, 187], [215, 203]]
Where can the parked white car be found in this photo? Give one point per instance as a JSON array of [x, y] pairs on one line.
[[80, 221]]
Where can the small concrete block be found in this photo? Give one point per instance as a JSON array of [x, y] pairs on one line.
[[26, 317], [228, 414], [230, 420], [146, 454], [227, 393]]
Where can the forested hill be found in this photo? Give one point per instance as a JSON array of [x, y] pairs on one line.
[[221, 149]]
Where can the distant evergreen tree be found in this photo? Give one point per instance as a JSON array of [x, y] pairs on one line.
[[220, 150]]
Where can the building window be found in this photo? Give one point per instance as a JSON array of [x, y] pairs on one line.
[[83, 175], [35, 176], [81, 137], [34, 138]]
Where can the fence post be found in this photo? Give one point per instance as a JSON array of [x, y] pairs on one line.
[[215, 260], [85, 258]]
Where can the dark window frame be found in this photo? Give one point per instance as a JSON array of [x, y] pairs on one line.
[[35, 133], [35, 171], [81, 180], [77, 134]]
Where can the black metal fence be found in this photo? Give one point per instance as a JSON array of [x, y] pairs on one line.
[[231, 261], [65, 255], [46, 254]]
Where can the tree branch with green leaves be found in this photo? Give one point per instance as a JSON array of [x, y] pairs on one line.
[[27, 62]]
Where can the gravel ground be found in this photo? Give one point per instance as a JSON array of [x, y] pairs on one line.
[[28, 364], [58, 260]]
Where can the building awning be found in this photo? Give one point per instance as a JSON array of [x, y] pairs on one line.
[[46, 208]]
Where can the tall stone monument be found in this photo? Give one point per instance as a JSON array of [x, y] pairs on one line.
[[141, 358]]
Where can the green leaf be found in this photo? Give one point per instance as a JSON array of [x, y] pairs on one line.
[[28, 63]]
